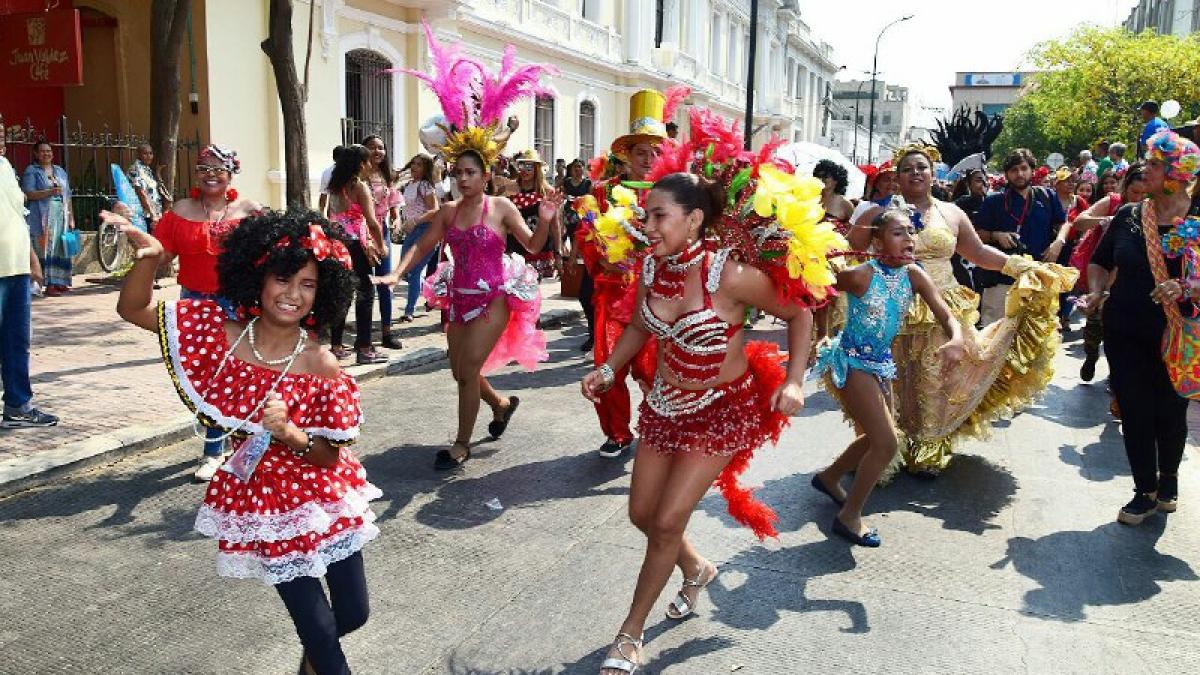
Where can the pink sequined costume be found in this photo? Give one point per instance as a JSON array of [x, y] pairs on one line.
[[479, 272]]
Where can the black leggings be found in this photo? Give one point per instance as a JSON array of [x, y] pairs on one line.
[[364, 300], [1153, 416], [319, 625]]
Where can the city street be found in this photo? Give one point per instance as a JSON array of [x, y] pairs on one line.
[[1010, 562]]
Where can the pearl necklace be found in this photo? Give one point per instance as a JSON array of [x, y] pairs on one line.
[[274, 362]]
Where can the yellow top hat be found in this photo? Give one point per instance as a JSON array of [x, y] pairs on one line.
[[645, 122]]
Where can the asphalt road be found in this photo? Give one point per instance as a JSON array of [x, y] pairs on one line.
[[1010, 562]]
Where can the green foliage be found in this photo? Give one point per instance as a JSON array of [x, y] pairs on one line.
[[1090, 85]]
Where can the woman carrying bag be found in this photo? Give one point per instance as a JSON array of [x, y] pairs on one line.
[[1149, 299]]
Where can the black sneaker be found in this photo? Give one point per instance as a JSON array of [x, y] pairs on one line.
[[1141, 507], [1088, 370], [612, 449], [1168, 493], [587, 345], [28, 420]]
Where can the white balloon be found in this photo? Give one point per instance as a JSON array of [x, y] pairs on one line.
[[1054, 160], [1169, 109], [432, 136]]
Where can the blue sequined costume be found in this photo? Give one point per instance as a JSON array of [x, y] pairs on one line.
[[872, 322]]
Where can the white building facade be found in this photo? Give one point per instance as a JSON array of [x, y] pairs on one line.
[[605, 50], [1165, 17]]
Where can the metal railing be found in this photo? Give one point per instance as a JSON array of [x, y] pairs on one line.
[[86, 156]]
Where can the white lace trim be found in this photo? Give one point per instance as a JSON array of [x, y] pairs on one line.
[[310, 517], [284, 568], [171, 317], [714, 271]]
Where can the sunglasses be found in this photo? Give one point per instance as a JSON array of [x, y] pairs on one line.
[[526, 165], [209, 170]]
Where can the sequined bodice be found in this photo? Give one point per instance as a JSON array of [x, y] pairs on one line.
[[874, 319], [936, 244], [478, 254], [694, 344]]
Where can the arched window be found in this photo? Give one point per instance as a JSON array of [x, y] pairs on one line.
[[543, 128], [587, 130], [368, 98]]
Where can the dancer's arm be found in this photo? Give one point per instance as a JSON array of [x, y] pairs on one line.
[[373, 246], [275, 420], [136, 302], [970, 246], [437, 229], [1095, 215], [548, 212], [860, 232], [953, 350], [747, 285], [855, 280], [628, 345]]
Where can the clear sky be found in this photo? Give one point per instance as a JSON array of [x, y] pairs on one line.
[[945, 36]]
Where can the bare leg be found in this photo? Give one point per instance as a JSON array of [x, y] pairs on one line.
[[491, 397], [845, 463], [865, 403], [469, 345], [690, 477]]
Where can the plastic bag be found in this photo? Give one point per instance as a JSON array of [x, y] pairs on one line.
[[246, 458], [70, 242]]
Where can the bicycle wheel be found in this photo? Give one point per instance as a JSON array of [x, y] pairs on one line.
[[111, 246]]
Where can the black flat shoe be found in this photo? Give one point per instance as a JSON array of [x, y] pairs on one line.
[[496, 427], [444, 461], [819, 486], [587, 345], [1088, 370], [870, 539]]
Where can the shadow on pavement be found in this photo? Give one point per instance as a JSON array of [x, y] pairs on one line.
[[107, 490], [1110, 565], [966, 497], [1102, 460], [461, 503]]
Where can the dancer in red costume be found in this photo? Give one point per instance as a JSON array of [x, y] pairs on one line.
[[716, 397], [615, 290]]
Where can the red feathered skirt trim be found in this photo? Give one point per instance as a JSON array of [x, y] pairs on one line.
[[733, 419]]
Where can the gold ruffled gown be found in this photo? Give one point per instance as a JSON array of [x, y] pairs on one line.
[[1007, 364]]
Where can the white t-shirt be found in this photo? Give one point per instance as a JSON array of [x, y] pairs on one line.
[[325, 176], [14, 232]]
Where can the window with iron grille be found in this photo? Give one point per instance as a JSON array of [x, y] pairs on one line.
[[368, 98], [587, 130], [543, 128]]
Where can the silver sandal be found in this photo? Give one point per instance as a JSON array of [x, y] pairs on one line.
[[624, 663], [681, 607]]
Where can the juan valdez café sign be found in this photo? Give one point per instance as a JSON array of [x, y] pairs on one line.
[[41, 50]]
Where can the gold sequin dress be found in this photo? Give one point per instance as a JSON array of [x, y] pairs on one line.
[[1007, 364]]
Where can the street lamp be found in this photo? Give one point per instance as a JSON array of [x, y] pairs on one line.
[[857, 124], [874, 73]]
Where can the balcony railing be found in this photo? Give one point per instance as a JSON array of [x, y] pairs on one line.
[[554, 25]]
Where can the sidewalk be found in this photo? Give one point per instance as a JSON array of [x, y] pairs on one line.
[[105, 380]]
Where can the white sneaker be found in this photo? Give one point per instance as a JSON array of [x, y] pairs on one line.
[[208, 468]]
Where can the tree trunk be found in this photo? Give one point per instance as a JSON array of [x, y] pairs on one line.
[[168, 22], [278, 46]]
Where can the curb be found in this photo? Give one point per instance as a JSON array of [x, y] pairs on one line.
[[46, 467]]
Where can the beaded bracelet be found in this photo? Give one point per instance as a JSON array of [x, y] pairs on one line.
[[607, 374]]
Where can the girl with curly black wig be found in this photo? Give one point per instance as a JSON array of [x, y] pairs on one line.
[[833, 199], [291, 506]]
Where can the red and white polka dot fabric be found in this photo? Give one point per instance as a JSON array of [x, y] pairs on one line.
[[292, 518]]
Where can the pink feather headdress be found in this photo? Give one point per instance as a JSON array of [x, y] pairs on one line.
[[473, 99]]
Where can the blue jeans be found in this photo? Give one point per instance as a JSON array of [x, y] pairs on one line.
[[385, 291], [212, 446], [15, 317], [414, 277]]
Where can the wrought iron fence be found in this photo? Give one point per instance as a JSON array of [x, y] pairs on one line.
[[86, 156]]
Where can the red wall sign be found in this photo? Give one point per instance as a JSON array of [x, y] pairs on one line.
[[41, 50]]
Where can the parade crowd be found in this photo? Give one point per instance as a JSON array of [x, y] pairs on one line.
[[928, 308]]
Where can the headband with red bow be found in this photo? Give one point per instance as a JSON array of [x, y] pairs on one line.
[[319, 244]]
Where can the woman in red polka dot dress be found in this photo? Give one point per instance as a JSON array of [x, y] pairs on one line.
[[290, 507]]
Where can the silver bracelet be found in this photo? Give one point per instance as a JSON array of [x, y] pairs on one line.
[[308, 446], [607, 374]]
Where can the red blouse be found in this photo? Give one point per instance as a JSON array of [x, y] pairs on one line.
[[197, 244]]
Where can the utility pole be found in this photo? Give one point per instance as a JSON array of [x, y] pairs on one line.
[[874, 75], [753, 47]]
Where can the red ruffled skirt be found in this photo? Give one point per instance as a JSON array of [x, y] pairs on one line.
[[732, 419]]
